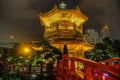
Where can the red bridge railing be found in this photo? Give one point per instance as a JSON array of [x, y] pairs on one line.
[[113, 63], [92, 70]]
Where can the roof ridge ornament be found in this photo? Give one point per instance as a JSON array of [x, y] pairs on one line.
[[62, 5], [55, 6], [77, 8]]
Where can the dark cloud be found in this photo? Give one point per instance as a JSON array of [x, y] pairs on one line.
[[102, 13], [20, 17], [20, 20]]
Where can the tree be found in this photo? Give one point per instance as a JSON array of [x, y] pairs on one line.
[[104, 50], [116, 47], [48, 51]]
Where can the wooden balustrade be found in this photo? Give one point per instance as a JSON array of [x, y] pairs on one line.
[[92, 70]]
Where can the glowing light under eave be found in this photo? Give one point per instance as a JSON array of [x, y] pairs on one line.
[[84, 48]]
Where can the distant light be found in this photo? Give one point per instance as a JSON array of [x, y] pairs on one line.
[[96, 74], [33, 75], [25, 69], [11, 37], [105, 74]]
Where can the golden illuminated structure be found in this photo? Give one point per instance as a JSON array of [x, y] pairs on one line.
[[65, 26]]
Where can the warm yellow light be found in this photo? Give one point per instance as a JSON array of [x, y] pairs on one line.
[[106, 27], [47, 23], [26, 50], [37, 48], [84, 47], [11, 37]]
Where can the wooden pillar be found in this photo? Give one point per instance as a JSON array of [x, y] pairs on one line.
[[72, 65], [65, 59], [60, 67], [72, 69], [88, 72]]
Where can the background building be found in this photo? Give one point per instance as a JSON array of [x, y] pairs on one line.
[[105, 32], [92, 36]]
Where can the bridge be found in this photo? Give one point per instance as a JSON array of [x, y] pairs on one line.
[[103, 70]]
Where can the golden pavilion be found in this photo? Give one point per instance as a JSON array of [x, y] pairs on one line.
[[65, 26]]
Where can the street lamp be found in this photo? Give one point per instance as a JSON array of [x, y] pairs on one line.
[[26, 50]]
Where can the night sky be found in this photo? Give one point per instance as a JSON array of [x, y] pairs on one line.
[[19, 19]]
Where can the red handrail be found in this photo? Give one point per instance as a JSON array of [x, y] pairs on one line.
[[111, 71], [89, 67]]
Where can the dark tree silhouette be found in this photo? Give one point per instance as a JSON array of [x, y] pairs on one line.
[[104, 50]]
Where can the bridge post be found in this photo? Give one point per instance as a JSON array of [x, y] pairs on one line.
[[72, 65], [88, 73], [65, 60], [109, 62], [60, 67], [72, 69]]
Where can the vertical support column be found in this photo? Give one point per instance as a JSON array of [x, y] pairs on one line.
[[88, 72], [109, 62], [63, 64], [72, 65], [60, 67], [65, 57], [72, 69], [60, 71]]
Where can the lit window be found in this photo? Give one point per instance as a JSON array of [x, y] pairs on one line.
[[70, 27], [62, 27]]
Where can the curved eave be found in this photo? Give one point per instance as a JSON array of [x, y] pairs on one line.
[[88, 44], [49, 13], [80, 14], [85, 47], [76, 11], [55, 10]]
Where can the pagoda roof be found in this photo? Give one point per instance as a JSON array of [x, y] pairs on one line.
[[75, 15], [55, 10]]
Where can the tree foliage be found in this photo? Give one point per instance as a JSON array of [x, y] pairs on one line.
[[15, 55], [104, 50]]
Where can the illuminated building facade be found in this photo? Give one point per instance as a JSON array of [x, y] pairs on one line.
[[105, 32], [65, 27], [92, 36]]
